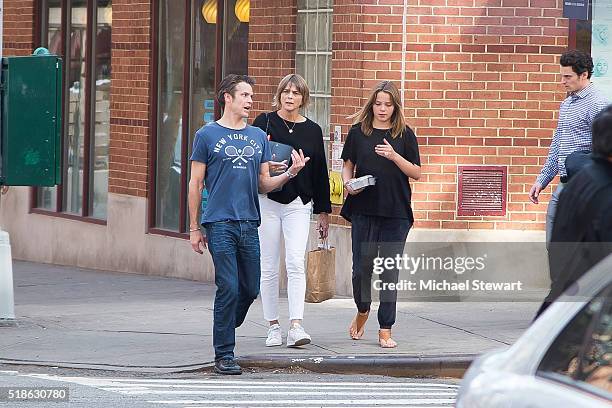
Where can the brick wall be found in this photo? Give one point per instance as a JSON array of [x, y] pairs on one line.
[[485, 93], [272, 33], [130, 97], [17, 27], [481, 88]]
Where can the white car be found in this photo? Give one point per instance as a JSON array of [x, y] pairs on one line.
[[562, 360]]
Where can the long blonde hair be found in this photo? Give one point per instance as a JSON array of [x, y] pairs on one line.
[[365, 115]]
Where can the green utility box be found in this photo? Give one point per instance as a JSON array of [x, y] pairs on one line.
[[30, 135]]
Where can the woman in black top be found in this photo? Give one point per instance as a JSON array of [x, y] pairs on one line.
[[286, 213], [379, 144]]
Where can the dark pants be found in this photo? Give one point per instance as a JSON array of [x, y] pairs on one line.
[[372, 237], [234, 246]]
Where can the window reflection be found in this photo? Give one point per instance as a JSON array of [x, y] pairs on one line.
[[47, 196], [101, 110], [75, 117], [583, 350], [235, 41], [202, 69], [170, 108]]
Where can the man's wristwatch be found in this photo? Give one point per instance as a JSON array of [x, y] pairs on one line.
[[290, 174]]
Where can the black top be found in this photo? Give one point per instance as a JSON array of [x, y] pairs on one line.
[[312, 182], [582, 228], [390, 196]]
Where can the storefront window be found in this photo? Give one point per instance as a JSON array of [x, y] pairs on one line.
[[200, 56], [52, 38], [203, 53], [75, 108], [601, 45], [66, 26], [170, 111], [101, 110]]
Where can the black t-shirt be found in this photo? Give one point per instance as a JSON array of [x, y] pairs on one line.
[[312, 182], [390, 196]]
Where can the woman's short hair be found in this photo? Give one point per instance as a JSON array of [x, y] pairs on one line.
[[287, 81]]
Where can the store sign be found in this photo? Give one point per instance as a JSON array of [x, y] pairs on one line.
[[577, 9]]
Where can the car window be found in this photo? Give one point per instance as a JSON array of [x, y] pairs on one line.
[[582, 352]]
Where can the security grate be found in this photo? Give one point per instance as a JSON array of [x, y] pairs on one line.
[[482, 190]]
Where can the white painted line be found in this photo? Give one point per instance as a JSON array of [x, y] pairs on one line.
[[247, 382], [333, 406], [323, 393], [402, 402], [273, 387]]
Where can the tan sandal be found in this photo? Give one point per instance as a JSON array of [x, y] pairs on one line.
[[358, 324], [385, 340]]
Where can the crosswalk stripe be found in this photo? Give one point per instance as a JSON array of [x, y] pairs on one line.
[[400, 387], [137, 381], [246, 392], [289, 393], [350, 402]]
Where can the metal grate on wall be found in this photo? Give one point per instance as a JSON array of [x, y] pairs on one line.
[[482, 190]]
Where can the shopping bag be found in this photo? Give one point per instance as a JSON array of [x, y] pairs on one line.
[[321, 273]]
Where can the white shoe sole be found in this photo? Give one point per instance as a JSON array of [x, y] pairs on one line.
[[280, 343], [300, 342]]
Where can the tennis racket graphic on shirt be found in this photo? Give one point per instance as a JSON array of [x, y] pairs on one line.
[[239, 154]]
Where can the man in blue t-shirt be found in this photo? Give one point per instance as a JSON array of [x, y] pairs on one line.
[[231, 159]]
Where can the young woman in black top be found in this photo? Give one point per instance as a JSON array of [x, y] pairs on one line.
[[382, 145], [286, 213]]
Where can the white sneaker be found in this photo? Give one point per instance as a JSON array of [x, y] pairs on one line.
[[274, 336], [297, 336]]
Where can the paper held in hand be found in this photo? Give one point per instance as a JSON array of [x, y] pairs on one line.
[[362, 182]]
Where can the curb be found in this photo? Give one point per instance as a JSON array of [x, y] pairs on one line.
[[453, 366], [394, 365], [110, 367]]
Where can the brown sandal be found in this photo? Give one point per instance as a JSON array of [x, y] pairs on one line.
[[385, 340], [357, 325]]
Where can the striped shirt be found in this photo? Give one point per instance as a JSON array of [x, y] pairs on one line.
[[573, 131]]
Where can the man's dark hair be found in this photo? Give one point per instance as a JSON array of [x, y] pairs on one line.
[[602, 133], [580, 62], [228, 85]]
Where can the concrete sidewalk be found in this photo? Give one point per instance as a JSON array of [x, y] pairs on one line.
[[69, 317]]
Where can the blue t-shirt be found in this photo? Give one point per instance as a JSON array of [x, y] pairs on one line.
[[233, 158]]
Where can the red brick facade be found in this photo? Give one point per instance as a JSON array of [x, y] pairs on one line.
[[271, 47], [486, 93], [480, 86], [17, 27], [130, 98]]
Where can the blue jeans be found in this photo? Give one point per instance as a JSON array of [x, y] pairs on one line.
[[234, 246], [371, 237]]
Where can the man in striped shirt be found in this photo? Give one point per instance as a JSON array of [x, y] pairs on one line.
[[573, 131]]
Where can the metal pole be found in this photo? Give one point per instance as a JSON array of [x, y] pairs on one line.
[[7, 301]]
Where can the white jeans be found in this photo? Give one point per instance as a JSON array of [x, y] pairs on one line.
[[292, 223]]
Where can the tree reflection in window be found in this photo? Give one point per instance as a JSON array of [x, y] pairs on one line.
[[583, 350]]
